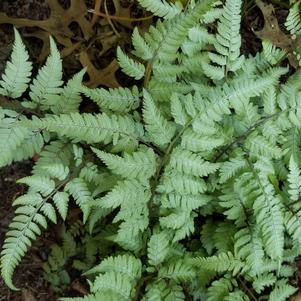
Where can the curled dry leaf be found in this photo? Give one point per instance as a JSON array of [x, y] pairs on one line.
[[296, 297], [59, 20], [104, 77], [272, 32]]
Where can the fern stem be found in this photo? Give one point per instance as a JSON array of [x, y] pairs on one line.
[[165, 160], [249, 131], [109, 20], [148, 72], [140, 285], [240, 137], [17, 106], [249, 292]]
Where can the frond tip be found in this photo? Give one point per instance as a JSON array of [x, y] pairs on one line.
[[129, 66], [161, 8], [17, 73]]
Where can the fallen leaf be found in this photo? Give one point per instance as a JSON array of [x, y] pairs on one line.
[[272, 32], [27, 295], [104, 77], [296, 297]]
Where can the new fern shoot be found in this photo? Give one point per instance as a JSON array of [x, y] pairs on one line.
[[194, 179]]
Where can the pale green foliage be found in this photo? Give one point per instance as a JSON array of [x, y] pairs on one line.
[[227, 43], [282, 291], [47, 85], [193, 180], [272, 54], [118, 100], [129, 66], [293, 22], [157, 126], [140, 164], [17, 73], [294, 179], [17, 143], [158, 248], [162, 8], [90, 128]]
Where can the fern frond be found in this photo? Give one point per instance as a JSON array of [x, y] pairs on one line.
[[267, 210], [161, 8], [200, 143], [272, 54], [237, 295], [61, 200], [178, 271], [82, 195], [16, 142], [158, 248], [293, 22], [44, 185], [220, 289], [156, 290], [233, 203], [129, 66], [208, 229], [282, 291], [115, 283], [291, 145], [186, 202], [191, 164], [162, 91], [122, 193], [248, 247], [244, 89], [183, 231], [142, 49], [294, 179], [24, 228], [46, 86], [228, 40], [48, 210], [177, 110], [70, 97], [117, 100], [166, 40], [263, 280], [139, 165], [230, 168], [17, 73], [160, 130], [223, 262], [89, 128], [182, 184], [224, 236], [260, 146], [124, 264]]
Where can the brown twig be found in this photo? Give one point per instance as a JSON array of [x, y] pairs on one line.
[[140, 285], [97, 6], [249, 292], [117, 18], [110, 20]]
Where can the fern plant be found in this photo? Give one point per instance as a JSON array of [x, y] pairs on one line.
[[193, 180]]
